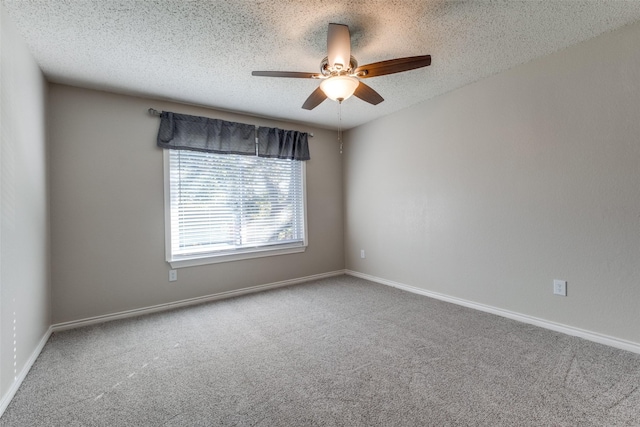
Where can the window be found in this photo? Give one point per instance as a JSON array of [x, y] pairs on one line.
[[225, 207]]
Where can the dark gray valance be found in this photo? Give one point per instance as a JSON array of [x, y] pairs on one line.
[[185, 132], [283, 144]]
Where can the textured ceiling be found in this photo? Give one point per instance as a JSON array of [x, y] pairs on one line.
[[202, 52]]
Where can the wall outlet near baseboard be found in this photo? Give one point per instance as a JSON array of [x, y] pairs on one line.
[[560, 287], [173, 275], [362, 253]]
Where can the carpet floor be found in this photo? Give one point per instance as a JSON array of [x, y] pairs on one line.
[[336, 352]]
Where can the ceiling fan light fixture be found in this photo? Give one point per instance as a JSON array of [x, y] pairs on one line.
[[339, 88], [340, 73]]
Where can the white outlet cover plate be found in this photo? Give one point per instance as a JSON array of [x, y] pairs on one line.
[[560, 287]]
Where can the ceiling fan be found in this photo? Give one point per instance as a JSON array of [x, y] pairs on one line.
[[340, 73]]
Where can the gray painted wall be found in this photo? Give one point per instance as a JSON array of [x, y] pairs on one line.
[[107, 209], [24, 229], [490, 192]]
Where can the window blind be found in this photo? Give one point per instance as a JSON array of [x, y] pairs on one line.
[[225, 203]]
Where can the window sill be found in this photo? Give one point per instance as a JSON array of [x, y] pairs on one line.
[[215, 259]]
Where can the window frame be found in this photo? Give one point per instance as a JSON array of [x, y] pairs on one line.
[[241, 254]]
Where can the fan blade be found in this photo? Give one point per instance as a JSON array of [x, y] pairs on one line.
[[367, 94], [315, 99], [338, 45], [294, 74], [392, 66]]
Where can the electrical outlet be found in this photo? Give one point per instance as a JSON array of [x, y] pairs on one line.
[[560, 287], [173, 275], [362, 253]]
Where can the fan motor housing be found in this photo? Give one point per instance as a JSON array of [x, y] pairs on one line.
[[327, 72]]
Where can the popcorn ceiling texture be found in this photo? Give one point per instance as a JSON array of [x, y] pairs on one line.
[[202, 52]]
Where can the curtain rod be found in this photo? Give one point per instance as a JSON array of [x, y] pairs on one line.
[[155, 112]]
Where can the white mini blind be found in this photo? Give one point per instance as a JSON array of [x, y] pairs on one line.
[[224, 203]]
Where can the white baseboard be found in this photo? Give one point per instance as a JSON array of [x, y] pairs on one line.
[[187, 302], [558, 327], [6, 399], [569, 330]]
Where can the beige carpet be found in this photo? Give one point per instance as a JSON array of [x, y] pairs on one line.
[[336, 352]]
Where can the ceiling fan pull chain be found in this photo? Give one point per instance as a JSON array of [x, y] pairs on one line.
[[340, 124]]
